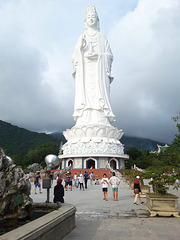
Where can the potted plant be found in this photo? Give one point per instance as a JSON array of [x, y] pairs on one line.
[[144, 189], [160, 202]]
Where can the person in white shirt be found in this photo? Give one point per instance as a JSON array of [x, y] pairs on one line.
[[91, 178], [105, 185], [75, 180], [81, 181], [114, 181]]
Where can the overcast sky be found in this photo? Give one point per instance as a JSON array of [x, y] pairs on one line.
[[37, 40]]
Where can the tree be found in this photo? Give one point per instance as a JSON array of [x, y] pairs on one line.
[[18, 159], [174, 150], [38, 154], [133, 153], [143, 160]]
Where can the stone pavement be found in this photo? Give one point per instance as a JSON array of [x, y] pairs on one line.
[[99, 219]]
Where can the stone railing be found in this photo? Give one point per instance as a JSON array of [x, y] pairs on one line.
[[65, 170], [118, 174]]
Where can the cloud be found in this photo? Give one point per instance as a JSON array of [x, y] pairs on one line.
[[37, 39], [146, 50], [33, 67]]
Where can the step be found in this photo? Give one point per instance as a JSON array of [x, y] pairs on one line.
[[97, 173]]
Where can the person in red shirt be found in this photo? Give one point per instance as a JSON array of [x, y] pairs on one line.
[[59, 192], [137, 190]]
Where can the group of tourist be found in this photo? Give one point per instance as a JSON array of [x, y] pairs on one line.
[[114, 182], [79, 181], [59, 189]]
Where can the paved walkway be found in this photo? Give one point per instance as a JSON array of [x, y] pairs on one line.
[[99, 219]]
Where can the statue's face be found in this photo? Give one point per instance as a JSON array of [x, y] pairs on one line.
[[91, 19]]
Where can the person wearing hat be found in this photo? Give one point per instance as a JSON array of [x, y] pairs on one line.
[[137, 190], [59, 192]]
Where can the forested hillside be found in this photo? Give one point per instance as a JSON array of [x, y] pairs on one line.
[[15, 140], [140, 143], [26, 147]]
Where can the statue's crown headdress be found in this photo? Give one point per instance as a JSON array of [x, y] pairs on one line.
[[92, 8]]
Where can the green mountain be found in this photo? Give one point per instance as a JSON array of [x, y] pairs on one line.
[[16, 140], [140, 143]]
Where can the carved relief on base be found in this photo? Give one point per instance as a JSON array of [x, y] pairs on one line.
[[93, 147]]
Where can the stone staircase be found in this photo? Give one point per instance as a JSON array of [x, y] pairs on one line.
[[97, 173]]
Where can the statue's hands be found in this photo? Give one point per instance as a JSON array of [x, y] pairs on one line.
[[91, 56]]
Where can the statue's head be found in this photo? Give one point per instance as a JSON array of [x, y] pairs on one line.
[[91, 18]]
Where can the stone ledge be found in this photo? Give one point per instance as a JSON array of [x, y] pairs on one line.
[[54, 225]]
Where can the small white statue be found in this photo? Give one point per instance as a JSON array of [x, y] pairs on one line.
[[92, 61]]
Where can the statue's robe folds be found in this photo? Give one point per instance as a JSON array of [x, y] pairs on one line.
[[92, 81]]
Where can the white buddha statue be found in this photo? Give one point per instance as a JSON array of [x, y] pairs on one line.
[[92, 61]]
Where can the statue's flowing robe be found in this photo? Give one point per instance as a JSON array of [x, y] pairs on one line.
[[92, 81]]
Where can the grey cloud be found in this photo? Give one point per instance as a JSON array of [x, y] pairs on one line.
[[147, 54]]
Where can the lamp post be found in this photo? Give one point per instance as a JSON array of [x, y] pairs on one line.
[[51, 161]]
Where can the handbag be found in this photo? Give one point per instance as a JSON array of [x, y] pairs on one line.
[[136, 191]]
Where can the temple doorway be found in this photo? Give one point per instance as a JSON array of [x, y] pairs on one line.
[[90, 164], [70, 162], [113, 164]]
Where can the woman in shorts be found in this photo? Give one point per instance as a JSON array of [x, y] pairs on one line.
[[137, 191], [105, 185]]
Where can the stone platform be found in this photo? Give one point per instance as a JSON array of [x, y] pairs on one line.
[[98, 219]]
